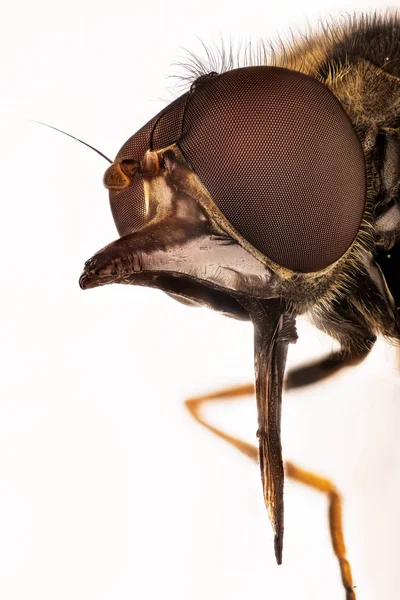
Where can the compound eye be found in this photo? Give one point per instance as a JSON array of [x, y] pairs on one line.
[[127, 199], [128, 206], [124, 180]]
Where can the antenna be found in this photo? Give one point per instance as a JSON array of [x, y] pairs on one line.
[[75, 138]]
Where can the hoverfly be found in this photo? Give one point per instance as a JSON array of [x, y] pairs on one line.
[[266, 192]]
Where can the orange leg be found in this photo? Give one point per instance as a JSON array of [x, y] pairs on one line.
[[315, 481]]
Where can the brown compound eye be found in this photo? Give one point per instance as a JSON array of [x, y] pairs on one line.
[[127, 198], [280, 158], [135, 162], [124, 180]]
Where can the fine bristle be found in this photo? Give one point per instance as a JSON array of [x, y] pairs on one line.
[[302, 50]]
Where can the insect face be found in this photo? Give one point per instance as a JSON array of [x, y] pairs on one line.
[[266, 192], [258, 140], [230, 197]]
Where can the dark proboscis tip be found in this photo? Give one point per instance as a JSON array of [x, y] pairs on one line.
[[278, 543]]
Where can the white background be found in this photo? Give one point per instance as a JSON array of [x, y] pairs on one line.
[[108, 489]]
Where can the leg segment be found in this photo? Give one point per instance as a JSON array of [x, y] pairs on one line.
[[346, 324], [326, 367], [194, 404], [316, 482], [335, 520]]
